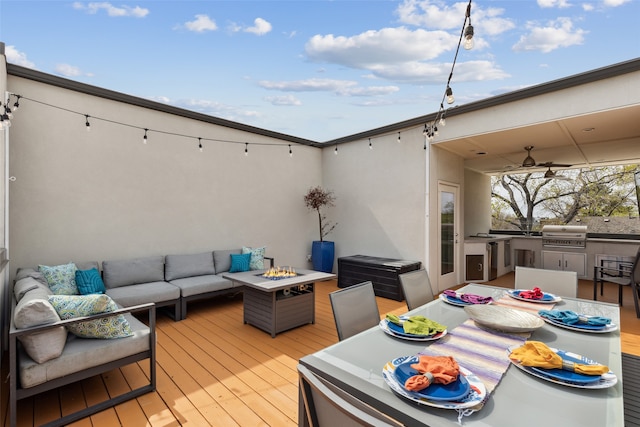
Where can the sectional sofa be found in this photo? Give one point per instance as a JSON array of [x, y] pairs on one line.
[[58, 337]]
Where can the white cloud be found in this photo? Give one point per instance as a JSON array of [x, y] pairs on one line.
[[16, 57], [68, 70], [93, 8], [286, 100], [338, 87], [615, 3], [441, 15], [556, 34], [308, 85], [429, 73], [201, 24], [385, 46], [560, 4], [260, 27]]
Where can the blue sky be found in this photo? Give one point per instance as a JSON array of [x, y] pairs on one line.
[[316, 69]]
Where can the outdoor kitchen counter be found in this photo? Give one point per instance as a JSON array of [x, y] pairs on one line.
[[492, 238]]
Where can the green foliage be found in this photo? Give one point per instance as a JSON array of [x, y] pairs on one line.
[[520, 200]]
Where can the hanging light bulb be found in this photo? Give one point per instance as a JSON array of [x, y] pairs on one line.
[[370, 146], [144, 138], [200, 145], [8, 110], [290, 152], [17, 103], [399, 140], [450, 98], [336, 150], [442, 121], [435, 129], [86, 123], [468, 37], [246, 149]]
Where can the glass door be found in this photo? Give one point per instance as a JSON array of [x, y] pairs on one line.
[[448, 235]]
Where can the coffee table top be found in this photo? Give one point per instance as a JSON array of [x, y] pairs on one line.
[[255, 280]]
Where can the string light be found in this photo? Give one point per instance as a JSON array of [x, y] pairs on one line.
[[468, 32], [4, 122], [370, 146], [450, 98], [336, 150], [246, 149], [399, 140]]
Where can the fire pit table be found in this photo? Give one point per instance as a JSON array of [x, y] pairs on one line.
[[278, 304]]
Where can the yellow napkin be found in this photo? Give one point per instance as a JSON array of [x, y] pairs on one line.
[[537, 354], [417, 325]]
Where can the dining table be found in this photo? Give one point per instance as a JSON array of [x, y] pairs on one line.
[[355, 365]]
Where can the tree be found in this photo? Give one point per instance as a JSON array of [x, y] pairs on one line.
[[605, 191]]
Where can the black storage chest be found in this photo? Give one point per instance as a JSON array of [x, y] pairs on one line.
[[382, 272]]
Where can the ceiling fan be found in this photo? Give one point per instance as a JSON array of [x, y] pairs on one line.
[[529, 162]]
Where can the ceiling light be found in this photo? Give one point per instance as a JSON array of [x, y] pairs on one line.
[[528, 162], [549, 174]]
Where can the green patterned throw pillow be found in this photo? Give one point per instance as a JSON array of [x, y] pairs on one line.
[[60, 278], [257, 257], [72, 306]]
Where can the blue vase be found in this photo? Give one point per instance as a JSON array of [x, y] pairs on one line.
[[322, 254]]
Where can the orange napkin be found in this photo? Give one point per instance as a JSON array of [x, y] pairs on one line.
[[443, 369], [536, 353]]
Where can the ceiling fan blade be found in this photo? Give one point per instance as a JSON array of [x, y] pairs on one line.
[[553, 165]]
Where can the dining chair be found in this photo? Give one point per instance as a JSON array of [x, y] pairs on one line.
[[623, 274], [557, 282], [416, 288], [354, 309], [324, 404]]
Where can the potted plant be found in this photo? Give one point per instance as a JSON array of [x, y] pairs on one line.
[[322, 251]]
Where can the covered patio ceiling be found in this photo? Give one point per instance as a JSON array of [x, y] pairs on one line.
[[602, 138]]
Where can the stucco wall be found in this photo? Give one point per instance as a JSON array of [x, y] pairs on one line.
[[380, 196], [103, 194], [477, 203]]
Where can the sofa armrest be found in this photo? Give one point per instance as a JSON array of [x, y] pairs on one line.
[[15, 332]]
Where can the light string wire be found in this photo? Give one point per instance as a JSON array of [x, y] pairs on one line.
[[148, 130], [431, 129]]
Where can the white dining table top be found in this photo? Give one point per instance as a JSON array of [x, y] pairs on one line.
[[520, 399]]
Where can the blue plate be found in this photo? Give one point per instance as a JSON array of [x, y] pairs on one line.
[[456, 300], [545, 296], [450, 392], [399, 330], [567, 376], [579, 325]]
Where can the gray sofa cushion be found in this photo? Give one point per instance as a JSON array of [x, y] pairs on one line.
[[201, 284], [83, 353], [142, 293], [133, 271], [189, 265], [222, 259]]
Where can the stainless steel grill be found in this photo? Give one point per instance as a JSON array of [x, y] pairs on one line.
[[564, 236]]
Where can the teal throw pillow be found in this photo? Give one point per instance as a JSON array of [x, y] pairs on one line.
[[89, 282], [72, 306], [240, 263], [61, 278], [257, 257]]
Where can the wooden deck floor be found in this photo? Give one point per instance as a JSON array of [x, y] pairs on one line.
[[215, 370]]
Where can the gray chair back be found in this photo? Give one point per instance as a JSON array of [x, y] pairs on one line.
[[327, 405], [416, 288], [561, 283], [354, 309]]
